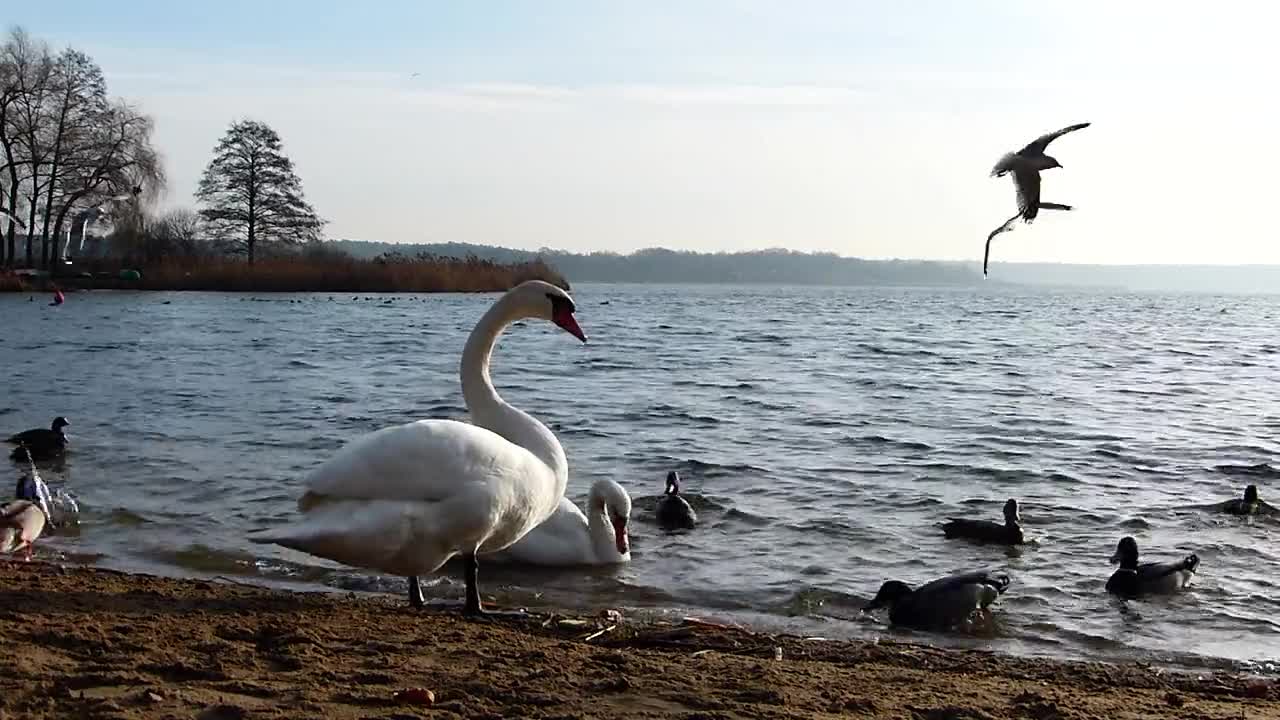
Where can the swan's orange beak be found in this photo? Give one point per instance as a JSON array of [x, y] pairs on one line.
[[564, 318], [620, 538]]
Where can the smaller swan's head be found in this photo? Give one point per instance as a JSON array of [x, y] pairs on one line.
[[615, 503], [59, 423], [545, 301], [1011, 515], [1126, 553], [673, 483], [890, 593], [1251, 494]]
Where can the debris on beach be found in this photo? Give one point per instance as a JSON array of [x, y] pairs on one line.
[[416, 696]]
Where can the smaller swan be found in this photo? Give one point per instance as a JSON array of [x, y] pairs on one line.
[[569, 537], [674, 512], [1251, 504], [21, 520], [1010, 533], [43, 443], [1132, 580], [941, 604]]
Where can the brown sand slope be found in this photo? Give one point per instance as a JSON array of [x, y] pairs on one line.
[[82, 643]]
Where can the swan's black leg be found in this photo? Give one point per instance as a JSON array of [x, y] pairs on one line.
[[415, 593], [473, 606]]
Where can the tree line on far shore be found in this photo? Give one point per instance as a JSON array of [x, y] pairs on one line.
[[73, 157]]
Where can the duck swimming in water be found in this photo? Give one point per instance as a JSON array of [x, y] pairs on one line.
[[941, 604], [1009, 533], [674, 512], [1250, 504], [1134, 580], [40, 443]]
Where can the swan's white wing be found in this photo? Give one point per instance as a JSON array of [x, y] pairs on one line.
[[564, 539], [395, 536], [426, 460]]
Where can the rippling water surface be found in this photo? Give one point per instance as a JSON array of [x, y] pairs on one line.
[[823, 433]]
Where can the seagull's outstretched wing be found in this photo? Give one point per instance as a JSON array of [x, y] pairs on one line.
[[986, 254], [15, 220], [1037, 146], [1027, 183]]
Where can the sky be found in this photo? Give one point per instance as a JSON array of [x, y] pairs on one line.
[[863, 128]]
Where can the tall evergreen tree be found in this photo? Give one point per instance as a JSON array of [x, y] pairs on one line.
[[251, 194]]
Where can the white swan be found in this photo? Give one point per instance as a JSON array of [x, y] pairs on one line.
[[569, 537], [405, 499]]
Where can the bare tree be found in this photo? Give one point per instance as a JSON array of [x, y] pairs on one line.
[[115, 171], [68, 150], [251, 194], [77, 102], [175, 233], [25, 68]]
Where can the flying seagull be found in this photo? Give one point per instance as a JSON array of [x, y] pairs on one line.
[[1026, 165]]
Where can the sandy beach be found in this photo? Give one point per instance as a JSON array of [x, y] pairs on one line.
[[90, 643]]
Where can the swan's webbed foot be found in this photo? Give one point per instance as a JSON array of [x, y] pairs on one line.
[[416, 599]]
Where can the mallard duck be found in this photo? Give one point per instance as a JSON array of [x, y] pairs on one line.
[[1009, 533], [1133, 580], [941, 604], [674, 512], [1250, 504]]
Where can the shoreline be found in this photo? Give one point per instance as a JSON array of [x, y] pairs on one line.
[[91, 642]]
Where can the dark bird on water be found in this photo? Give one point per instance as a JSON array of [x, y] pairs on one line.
[[41, 443], [1134, 579], [1250, 504], [1007, 533], [942, 604], [674, 512], [1026, 165]]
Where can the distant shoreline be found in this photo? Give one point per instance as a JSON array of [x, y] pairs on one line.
[[297, 274]]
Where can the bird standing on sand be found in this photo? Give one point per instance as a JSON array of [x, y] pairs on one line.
[[1026, 165], [21, 520]]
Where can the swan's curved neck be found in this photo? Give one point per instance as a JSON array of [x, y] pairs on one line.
[[492, 412], [599, 527]]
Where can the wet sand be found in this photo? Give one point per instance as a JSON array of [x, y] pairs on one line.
[[88, 643]]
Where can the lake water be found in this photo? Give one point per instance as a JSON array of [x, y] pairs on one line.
[[823, 433]]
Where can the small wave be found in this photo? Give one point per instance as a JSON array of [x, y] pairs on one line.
[[882, 440], [1263, 470], [767, 338]]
